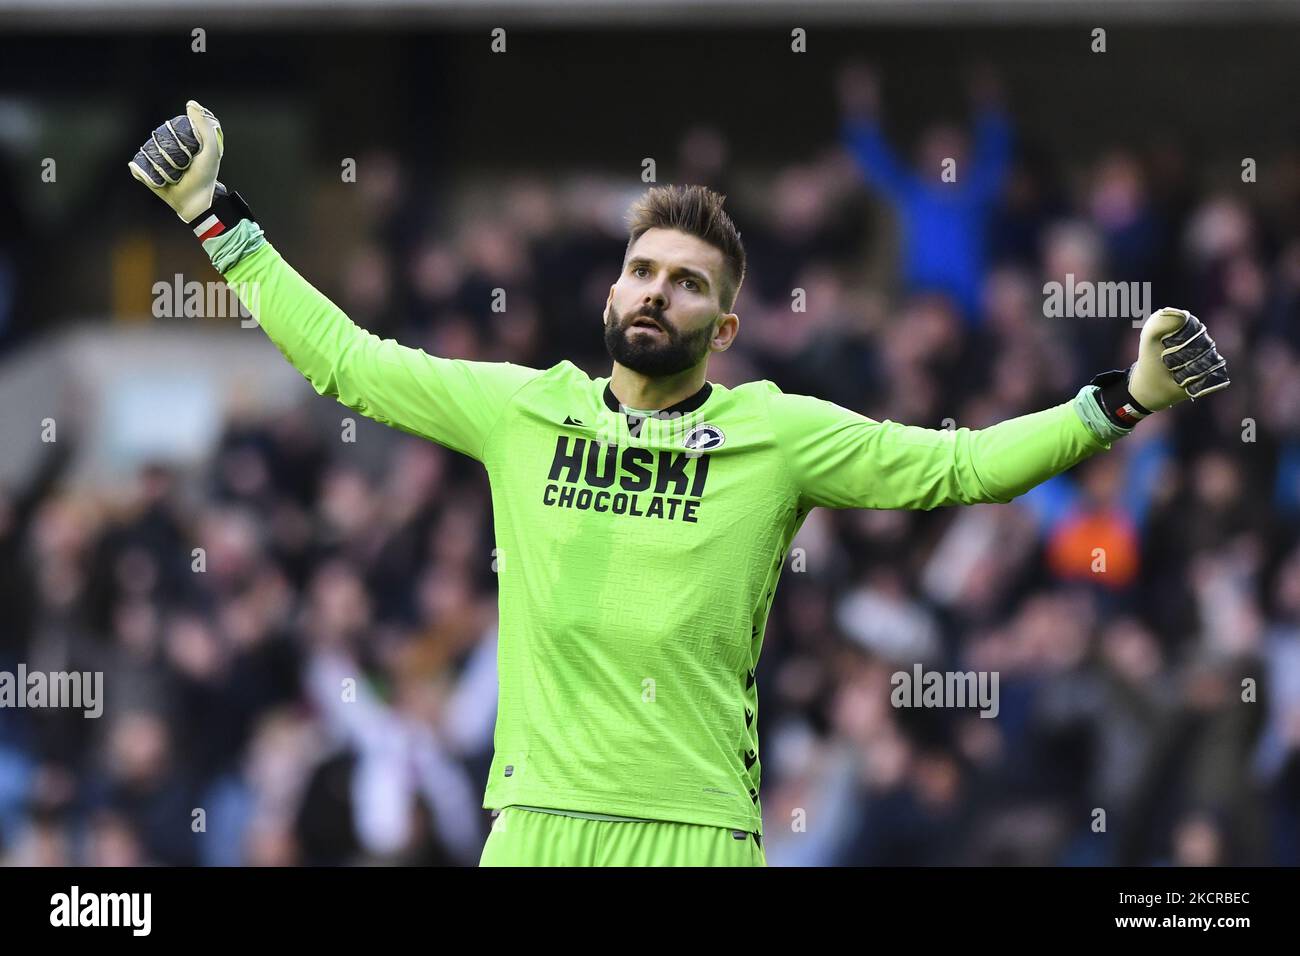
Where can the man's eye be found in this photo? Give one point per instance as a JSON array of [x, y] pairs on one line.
[[638, 270], [689, 283]]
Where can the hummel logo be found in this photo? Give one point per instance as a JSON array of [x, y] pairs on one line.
[[570, 420]]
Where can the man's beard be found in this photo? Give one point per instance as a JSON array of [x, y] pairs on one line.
[[650, 355]]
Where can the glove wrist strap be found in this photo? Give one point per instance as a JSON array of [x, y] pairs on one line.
[[227, 209], [1116, 401]]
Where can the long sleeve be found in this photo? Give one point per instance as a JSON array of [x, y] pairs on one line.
[[876, 158], [453, 402], [992, 154], [840, 459]]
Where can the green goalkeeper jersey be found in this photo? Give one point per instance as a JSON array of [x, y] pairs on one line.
[[638, 554]]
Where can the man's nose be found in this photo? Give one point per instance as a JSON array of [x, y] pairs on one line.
[[656, 297]]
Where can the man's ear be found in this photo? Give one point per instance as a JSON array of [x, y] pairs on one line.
[[608, 302], [722, 319]]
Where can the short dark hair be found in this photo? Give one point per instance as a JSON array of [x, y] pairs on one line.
[[697, 211]]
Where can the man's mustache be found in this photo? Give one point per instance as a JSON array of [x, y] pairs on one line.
[[653, 315]]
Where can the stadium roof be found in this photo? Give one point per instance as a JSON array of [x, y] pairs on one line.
[[88, 14]]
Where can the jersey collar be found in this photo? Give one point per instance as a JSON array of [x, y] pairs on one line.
[[689, 404]]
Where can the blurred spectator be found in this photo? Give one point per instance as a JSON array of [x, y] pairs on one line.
[[324, 690], [945, 204]]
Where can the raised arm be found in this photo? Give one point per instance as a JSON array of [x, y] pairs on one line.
[[453, 402], [450, 401], [993, 134], [859, 97], [840, 459], [992, 157]]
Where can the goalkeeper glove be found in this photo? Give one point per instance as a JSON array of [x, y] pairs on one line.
[[179, 163], [1177, 360]]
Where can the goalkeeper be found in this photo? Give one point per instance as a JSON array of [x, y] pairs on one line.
[[645, 516]]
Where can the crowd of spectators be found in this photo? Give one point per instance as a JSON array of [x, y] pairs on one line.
[[1149, 705]]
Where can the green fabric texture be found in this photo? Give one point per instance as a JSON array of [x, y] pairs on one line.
[[588, 816], [1088, 404], [636, 572], [227, 249], [523, 837]]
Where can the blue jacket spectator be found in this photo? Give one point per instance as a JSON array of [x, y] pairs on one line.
[[943, 224]]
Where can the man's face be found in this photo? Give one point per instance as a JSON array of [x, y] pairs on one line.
[[661, 314]]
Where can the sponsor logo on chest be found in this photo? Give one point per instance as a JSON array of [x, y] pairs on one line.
[[632, 480]]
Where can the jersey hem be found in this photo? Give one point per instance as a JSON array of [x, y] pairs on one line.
[[656, 813], [581, 814]]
